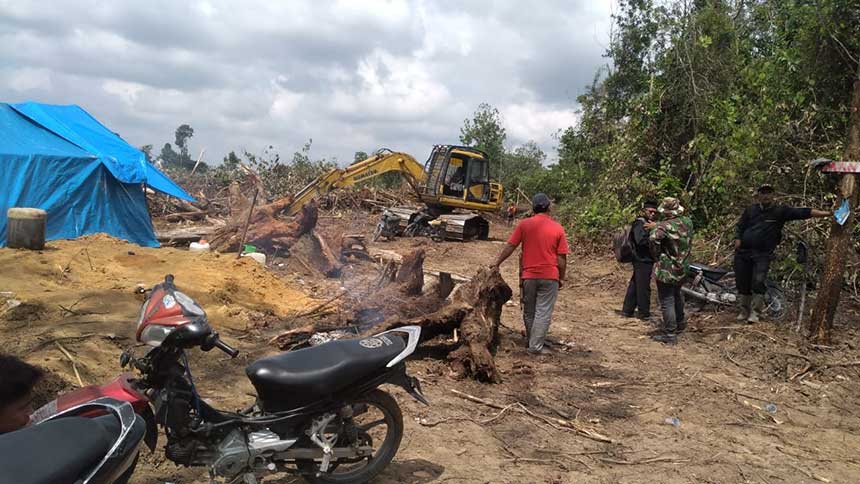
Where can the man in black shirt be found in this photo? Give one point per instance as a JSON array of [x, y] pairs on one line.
[[757, 235], [639, 289]]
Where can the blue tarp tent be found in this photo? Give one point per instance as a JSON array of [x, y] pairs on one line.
[[88, 179]]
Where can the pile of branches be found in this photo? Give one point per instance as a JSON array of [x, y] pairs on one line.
[[214, 197], [365, 198]]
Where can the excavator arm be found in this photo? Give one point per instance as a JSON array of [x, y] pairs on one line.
[[383, 161]]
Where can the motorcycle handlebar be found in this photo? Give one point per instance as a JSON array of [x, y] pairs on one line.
[[232, 352]]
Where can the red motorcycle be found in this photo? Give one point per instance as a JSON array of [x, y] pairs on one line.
[[68, 447], [319, 412]]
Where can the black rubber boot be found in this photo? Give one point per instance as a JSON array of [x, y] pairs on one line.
[[667, 338]]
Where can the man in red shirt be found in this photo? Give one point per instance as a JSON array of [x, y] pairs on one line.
[[544, 261]]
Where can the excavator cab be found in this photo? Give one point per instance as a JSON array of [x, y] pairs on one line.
[[458, 176]]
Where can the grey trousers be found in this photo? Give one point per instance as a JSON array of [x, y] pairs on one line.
[[672, 305], [538, 298]]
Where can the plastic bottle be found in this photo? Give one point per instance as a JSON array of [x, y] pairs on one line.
[[673, 421], [201, 246], [257, 256]]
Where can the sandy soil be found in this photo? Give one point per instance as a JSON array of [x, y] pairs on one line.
[[612, 379]]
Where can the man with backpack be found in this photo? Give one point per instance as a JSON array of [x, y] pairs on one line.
[[671, 243], [639, 289], [757, 235]]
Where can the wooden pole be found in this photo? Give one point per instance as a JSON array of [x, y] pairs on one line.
[[839, 243], [198, 160], [247, 223]]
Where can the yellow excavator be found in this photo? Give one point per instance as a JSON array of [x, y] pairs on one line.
[[453, 177]]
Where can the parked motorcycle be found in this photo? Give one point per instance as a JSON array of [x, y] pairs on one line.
[[72, 446], [717, 286], [319, 411], [388, 226]]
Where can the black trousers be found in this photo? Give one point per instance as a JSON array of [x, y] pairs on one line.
[[672, 306], [751, 268], [639, 290]]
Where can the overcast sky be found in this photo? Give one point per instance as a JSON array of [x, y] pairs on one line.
[[351, 75]]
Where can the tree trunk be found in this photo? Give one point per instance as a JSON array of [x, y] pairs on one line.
[[327, 262], [839, 243]]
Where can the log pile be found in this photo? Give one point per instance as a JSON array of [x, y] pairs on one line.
[[473, 312]]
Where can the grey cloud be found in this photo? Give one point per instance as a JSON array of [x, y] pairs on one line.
[[249, 74]]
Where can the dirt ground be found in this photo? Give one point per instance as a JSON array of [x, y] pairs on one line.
[[610, 377]]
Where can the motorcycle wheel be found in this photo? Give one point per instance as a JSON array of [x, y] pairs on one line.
[[382, 409], [776, 305]]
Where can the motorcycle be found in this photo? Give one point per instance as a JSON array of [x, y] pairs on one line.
[[319, 412], [715, 285], [71, 446], [388, 226]]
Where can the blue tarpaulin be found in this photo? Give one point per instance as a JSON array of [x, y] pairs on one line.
[[88, 179]]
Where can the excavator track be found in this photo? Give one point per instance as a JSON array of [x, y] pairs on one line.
[[456, 226]]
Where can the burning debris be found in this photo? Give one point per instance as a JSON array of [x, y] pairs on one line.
[[472, 313]]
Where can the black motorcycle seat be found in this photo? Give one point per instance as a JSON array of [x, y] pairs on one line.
[[292, 379], [62, 450], [713, 273]]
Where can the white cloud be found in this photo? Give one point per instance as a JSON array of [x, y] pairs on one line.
[[28, 79], [533, 121]]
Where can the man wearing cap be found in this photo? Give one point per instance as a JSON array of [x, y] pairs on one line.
[[671, 243], [757, 235], [544, 261], [639, 288]]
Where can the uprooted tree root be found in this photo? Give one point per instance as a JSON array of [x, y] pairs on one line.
[[266, 229], [273, 233], [474, 311]]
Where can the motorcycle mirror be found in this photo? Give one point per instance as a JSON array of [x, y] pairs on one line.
[[124, 359]]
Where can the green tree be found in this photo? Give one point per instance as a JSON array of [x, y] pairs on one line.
[[147, 152], [485, 131], [523, 163], [169, 157], [183, 133]]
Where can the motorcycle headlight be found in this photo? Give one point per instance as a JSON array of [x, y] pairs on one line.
[[154, 334]]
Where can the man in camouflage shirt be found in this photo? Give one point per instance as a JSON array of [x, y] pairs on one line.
[[671, 242]]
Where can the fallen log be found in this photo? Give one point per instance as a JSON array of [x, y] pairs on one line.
[[328, 263], [180, 216]]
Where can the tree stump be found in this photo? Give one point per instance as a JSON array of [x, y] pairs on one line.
[[475, 310]]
